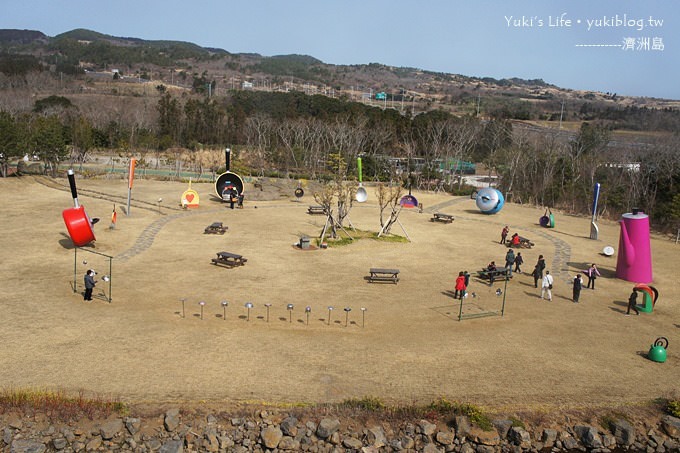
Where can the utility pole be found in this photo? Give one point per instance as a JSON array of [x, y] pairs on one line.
[[561, 113]]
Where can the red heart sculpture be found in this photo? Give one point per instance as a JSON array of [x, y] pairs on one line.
[[190, 197]]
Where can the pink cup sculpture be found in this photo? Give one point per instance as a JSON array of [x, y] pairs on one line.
[[634, 262]]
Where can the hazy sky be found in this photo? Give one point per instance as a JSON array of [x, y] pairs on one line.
[[560, 41]]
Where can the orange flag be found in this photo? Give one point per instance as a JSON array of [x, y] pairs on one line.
[[114, 217]]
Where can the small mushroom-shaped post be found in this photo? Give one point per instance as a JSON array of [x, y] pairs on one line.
[[330, 309], [224, 304], [268, 307], [290, 307], [308, 310], [201, 303], [248, 305], [363, 316], [347, 310]]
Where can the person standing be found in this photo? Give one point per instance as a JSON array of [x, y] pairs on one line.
[[509, 261], [592, 274], [460, 286], [547, 285], [632, 303], [518, 262], [576, 290], [537, 275], [504, 234], [491, 270], [89, 284]]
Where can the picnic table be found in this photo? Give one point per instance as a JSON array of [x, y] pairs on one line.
[[215, 228], [229, 259], [383, 275], [316, 210], [500, 273], [441, 217]]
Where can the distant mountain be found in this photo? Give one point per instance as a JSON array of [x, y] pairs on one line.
[[175, 62], [21, 36]]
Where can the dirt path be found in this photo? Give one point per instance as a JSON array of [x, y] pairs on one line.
[[411, 347]]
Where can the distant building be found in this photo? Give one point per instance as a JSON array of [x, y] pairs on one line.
[[247, 85]]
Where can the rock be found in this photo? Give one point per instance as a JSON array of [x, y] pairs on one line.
[[503, 427], [289, 426], [225, 442], [376, 436], [519, 436], [236, 421], [94, 444], [7, 435], [210, 443], [133, 425], [326, 427], [352, 443], [289, 443], [480, 436], [407, 443], [109, 429], [431, 448], [172, 446], [463, 425], [486, 449], [59, 443], [569, 443], [588, 436], [154, 444], [467, 448], [370, 449], [16, 423], [27, 446], [609, 441], [427, 428], [670, 445], [671, 425], [549, 437], [624, 432], [445, 437], [171, 420], [271, 436]]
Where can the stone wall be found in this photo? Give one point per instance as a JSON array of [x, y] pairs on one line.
[[272, 431]]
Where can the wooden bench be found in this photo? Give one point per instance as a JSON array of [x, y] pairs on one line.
[[316, 210], [500, 273], [229, 259], [441, 217], [383, 275], [215, 228]]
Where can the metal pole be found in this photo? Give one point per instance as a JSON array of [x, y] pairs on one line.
[[110, 269], [75, 269], [127, 212], [505, 289], [460, 313]]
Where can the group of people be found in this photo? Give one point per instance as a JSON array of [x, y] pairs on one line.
[[514, 241], [232, 196]]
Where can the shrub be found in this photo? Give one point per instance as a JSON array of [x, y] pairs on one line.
[[673, 408]]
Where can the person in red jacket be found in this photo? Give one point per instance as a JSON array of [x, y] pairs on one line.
[[460, 286]]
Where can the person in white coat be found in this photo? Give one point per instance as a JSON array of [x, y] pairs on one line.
[[546, 285]]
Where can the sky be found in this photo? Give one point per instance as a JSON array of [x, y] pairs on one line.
[[628, 47]]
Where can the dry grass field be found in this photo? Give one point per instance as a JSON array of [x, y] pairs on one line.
[[412, 347]]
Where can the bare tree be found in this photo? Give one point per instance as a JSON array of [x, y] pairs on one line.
[[388, 196]]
